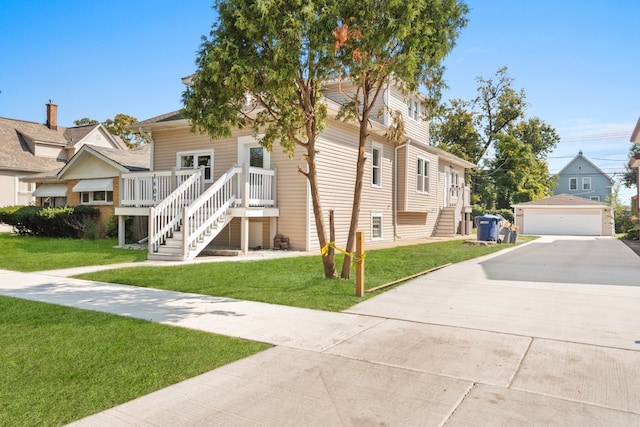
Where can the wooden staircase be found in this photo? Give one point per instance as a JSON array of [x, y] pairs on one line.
[[181, 227], [188, 219], [445, 225], [172, 249]]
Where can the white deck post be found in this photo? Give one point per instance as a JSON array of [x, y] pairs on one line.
[[121, 231]]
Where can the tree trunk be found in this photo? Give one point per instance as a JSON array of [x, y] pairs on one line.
[[357, 194], [327, 256]]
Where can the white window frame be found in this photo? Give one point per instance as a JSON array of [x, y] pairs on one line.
[[421, 176], [91, 198], [586, 183], [572, 181], [414, 109], [595, 198], [376, 215], [376, 167], [196, 154]]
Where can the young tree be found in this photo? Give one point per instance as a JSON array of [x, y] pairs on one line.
[[120, 126], [379, 42], [262, 68], [277, 54]]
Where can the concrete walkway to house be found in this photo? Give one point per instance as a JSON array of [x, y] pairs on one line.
[[547, 333]]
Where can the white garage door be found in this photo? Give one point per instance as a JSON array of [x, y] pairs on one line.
[[571, 222]]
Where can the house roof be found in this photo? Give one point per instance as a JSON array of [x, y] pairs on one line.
[[450, 157], [15, 153], [562, 200], [172, 118], [137, 159], [582, 156]]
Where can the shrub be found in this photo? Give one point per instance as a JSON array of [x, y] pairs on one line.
[[632, 233], [66, 221], [477, 210]]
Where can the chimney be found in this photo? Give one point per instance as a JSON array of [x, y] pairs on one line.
[[52, 115]]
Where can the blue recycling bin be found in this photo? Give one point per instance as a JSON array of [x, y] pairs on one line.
[[488, 227]]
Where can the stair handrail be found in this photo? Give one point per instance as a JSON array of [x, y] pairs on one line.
[[457, 214], [209, 207], [166, 216]]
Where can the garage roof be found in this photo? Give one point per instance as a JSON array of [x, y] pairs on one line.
[[562, 200]]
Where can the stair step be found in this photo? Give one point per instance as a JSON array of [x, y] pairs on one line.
[[157, 256], [171, 250]]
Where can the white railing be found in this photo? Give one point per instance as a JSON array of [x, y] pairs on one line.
[[260, 186], [150, 188], [166, 216], [198, 213], [207, 210], [454, 195], [463, 200]]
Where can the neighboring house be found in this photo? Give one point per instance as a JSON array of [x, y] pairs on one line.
[[233, 193], [28, 148], [564, 214], [91, 177], [580, 177]]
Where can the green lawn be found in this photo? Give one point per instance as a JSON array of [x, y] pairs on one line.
[[33, 253], [61, 364], [295, 281]]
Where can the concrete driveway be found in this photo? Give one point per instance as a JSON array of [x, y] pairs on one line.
[[543, 334]]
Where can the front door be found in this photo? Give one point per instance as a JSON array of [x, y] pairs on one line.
[[250, 151], [447, 185]]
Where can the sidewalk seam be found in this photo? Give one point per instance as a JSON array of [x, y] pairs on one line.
[[457, 405], [520, 362]]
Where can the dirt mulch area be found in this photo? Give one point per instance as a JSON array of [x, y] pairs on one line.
[[634, 245]]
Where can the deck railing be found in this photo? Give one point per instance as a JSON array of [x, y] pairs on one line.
[[150, 188], [166, 216], [201, 216], [197, 212]]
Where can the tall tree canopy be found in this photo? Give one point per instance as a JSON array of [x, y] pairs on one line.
[[379, 40], [630, 177], [120, 126], [510, 150], [265, 63]]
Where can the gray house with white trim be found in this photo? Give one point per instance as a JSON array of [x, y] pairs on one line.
[[581, 178]]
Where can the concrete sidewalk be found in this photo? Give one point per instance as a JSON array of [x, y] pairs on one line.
[[465, 345]]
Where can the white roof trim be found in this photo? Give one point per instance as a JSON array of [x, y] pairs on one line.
[[94, 185], [51, 190]]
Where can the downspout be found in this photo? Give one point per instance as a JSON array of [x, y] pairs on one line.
[[395, 191]]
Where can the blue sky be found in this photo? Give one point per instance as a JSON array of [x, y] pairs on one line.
[[576, 60]]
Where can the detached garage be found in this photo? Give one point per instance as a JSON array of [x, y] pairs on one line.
[[564, 214]]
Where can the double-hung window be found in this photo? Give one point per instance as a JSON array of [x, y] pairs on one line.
[[422, 175], [573, 184], [413, 109], [376, 165], [196, 159], [586, 183]]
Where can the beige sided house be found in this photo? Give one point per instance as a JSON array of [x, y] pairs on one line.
[[233, 193]]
